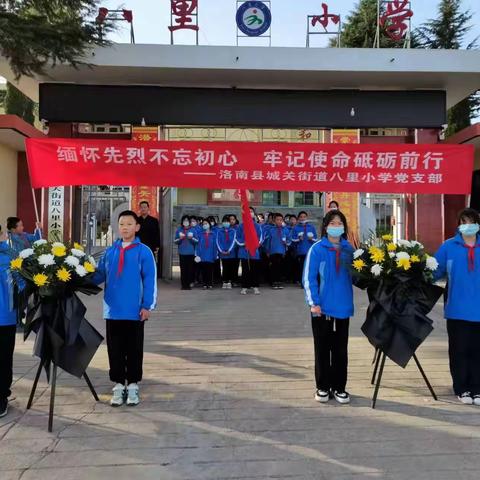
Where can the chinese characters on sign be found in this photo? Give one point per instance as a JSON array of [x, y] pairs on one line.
[[330, 23], [252, 165], [56, 197], [396, 19], [183, 16]]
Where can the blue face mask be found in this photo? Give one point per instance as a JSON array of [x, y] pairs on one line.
[[206, 227], [226, 224], [335, 231], [469, 229]]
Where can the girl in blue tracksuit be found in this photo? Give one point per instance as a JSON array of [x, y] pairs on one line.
[[8, 321], [129, 272], [17, 238], [206, 250], [186, 238], [329, 294], [250, 264], [304, 235], [234, 223], [278, 240], [459, 261], [226, 244]]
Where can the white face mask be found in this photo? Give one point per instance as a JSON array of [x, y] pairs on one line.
[[194, 224], [186, 223]]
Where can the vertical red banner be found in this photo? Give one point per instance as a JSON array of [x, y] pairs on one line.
[[144, 194]]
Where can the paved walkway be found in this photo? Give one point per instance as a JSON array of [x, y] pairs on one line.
[[228, 394]]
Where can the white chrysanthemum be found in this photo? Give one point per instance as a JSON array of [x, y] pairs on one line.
[[403, 256], [81, 272], [46, 260], [404, 243], [416, 244], [358, 253], [28, 252], [77, 253], [432, 263], [58, 244], [376, 269], [391, 254], [40, 242], [72, 261], [92, 261]]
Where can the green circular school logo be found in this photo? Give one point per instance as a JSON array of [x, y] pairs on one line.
[[254, 18]]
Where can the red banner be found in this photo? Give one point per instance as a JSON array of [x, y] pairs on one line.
[[252, 165]]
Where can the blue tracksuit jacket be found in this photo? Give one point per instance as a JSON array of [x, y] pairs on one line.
[[206, 247], [242, 251], [278, 240], [327, 279], [226, 243], [461, 266], [19, 242], [186, 245], [126, 293], [300, 236]]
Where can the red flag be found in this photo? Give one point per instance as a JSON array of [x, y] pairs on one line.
[[251, 237]]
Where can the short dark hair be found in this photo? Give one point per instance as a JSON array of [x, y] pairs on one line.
[[183, 218], [226, 218], [144, 202], [303, 212], [469, 214], [292, 215], [12, 222], [129, 213], [329, 217], [277, 215], [335, 202]]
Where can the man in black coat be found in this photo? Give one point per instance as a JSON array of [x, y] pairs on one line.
[[149, 232]]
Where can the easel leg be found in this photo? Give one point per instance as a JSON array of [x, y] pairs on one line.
[[379, 379], [34, 387], [90, 386], [378, 354], [434, 395], [375, 355], [52, 397]]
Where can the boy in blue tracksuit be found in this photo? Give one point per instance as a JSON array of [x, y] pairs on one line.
[[186, 237], [459, 261], [278, 241], [226, 244], [18, 239], [329, 294], [8, 321], [304, 235], [250, 264], [129, 271], [206, 250]]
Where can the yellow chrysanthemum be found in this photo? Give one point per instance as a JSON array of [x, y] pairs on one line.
[[40, 279], [387, 238], [391, 247], [89, 267], [404, 263], [378, 256], [78, 246], [358, 264], [59, 251], [16, 264], [373, 249], [63, 275], [414, 258]]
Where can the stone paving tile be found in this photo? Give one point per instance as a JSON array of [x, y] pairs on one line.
[[228, 394]]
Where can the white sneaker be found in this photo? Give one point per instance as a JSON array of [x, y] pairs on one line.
[[341, 397], [243, 291], [132, 395], [466, 398], [118, 396], [476, 400], [256, 291], [322, 396], [224, 286], [229, 286]]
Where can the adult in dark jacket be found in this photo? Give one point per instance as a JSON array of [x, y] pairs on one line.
[[149, 232]]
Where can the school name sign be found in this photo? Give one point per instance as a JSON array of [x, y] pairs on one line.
[[252, 165]]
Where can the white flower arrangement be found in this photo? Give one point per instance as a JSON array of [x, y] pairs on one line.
[[40, 242], [376, 270], [392, 254], [416, 244], [431, 263], [92, 261], [405, 243], [358, 253], [81, 272], [46, 260], [58, 244], [28, 252], [72, 261], [77, 253], [403, 256]]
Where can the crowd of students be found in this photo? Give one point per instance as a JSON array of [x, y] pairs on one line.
[[211, 252]]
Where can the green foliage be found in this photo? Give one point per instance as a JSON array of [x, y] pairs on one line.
[[16, 103], [34, 33]]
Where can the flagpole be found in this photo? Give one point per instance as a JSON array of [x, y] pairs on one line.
[[377, 35], [35, 206]]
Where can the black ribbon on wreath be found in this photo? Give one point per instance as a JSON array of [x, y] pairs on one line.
[[396, 322], [63, 334]]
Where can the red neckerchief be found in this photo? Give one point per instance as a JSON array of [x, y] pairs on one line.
[[121, 261], [279, 232], [207, 239], [185, 233], [305, 228], [227, 235], [337, 257], [471, 256]]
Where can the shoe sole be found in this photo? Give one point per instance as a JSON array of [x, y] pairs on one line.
[[341, 401], [115, 405], [4, 414], [321, 399], [132, 404], [468, 402]]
